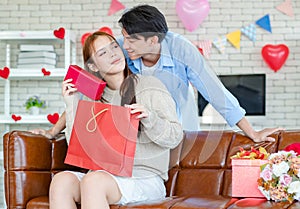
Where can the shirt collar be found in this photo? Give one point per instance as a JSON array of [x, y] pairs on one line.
[[165, 58]]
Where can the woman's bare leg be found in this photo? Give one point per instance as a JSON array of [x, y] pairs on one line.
[[64, 191], [99, 190]]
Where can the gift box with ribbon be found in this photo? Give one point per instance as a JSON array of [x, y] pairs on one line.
[[85, 82], [246, 171]]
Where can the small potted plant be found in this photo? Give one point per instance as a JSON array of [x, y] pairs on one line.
[[34, 104]]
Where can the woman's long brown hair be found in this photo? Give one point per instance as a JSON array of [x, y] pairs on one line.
[[127, 89]]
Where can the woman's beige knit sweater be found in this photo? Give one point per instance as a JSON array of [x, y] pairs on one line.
[[159, 132]]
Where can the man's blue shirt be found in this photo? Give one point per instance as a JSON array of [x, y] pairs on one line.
[[181, 64]]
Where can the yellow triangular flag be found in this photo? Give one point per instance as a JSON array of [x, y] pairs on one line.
[[234, 38]]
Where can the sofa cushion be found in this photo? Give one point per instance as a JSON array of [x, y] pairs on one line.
[[38, 203], [210, 201], [256, 203], [166, 203], [287, 138], [199, 182]]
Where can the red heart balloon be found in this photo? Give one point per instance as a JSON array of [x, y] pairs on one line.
[[106, 30], [53, 118], [275, 55], [15, 117], [84, 37], [60, 33], [45, 72], [4, 73]]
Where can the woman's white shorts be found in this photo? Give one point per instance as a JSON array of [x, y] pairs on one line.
[[136, 189]]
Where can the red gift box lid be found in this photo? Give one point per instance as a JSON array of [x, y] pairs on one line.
[[85, 82]]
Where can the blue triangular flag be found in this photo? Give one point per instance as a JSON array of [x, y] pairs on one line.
[[264, 22]]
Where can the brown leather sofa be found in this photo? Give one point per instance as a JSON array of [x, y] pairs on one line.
[[199, 176]]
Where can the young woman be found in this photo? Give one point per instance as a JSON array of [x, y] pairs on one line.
[[159, 132]]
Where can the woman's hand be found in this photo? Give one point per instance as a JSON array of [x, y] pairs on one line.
[[69, 92], [138, 108], [68, 88], [46, 133]]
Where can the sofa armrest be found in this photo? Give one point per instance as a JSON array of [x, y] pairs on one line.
[[30, 161]]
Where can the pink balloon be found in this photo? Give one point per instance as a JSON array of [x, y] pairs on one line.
[[192, 12]]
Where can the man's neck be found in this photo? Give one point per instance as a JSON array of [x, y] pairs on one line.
[[151, 59]]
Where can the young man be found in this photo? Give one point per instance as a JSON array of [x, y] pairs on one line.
[[151, 49]]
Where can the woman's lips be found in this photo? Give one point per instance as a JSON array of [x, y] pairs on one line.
[[115, 61]]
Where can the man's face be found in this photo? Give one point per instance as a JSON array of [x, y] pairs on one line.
[[135, 47]]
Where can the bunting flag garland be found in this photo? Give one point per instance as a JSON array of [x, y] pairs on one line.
[[250, 32], [234, 38], [205, 46], [264, 23], [115, 6], [220, 44], [286, 8]]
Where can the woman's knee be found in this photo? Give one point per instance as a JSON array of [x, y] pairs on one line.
[[96, 178], [102, 184], [64, 183]]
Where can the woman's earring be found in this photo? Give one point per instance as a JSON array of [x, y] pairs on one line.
[[92, 67]]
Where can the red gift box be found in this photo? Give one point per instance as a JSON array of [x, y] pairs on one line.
[[85, 82], [245, 173]]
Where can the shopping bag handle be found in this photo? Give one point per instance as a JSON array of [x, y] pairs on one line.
[[93, 119]]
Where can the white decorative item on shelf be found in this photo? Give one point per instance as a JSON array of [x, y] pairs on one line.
[[34, 110], [28, 40], [36, 56]]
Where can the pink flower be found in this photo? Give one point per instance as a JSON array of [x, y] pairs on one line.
[[266, 174], [285, 180]]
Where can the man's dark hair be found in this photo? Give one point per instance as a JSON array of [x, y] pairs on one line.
[[144, 20]]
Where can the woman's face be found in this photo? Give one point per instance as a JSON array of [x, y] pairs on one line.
[[108, 57]]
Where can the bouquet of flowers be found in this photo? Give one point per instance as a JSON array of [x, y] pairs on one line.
[[280, 177]]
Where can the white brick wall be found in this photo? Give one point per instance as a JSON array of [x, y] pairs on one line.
[[225, 16]]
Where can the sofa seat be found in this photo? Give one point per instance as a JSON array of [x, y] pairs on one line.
[[217, 202], [199, 175]]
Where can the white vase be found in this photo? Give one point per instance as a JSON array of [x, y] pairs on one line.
[[34, 110]]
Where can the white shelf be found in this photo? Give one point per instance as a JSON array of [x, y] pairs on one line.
[[28, 74], [26, 119], [13, 38], [34, 35]]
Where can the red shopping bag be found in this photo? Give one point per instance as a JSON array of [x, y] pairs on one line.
[[103, 138]]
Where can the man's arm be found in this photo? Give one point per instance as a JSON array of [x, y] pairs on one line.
[[256, 136]]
